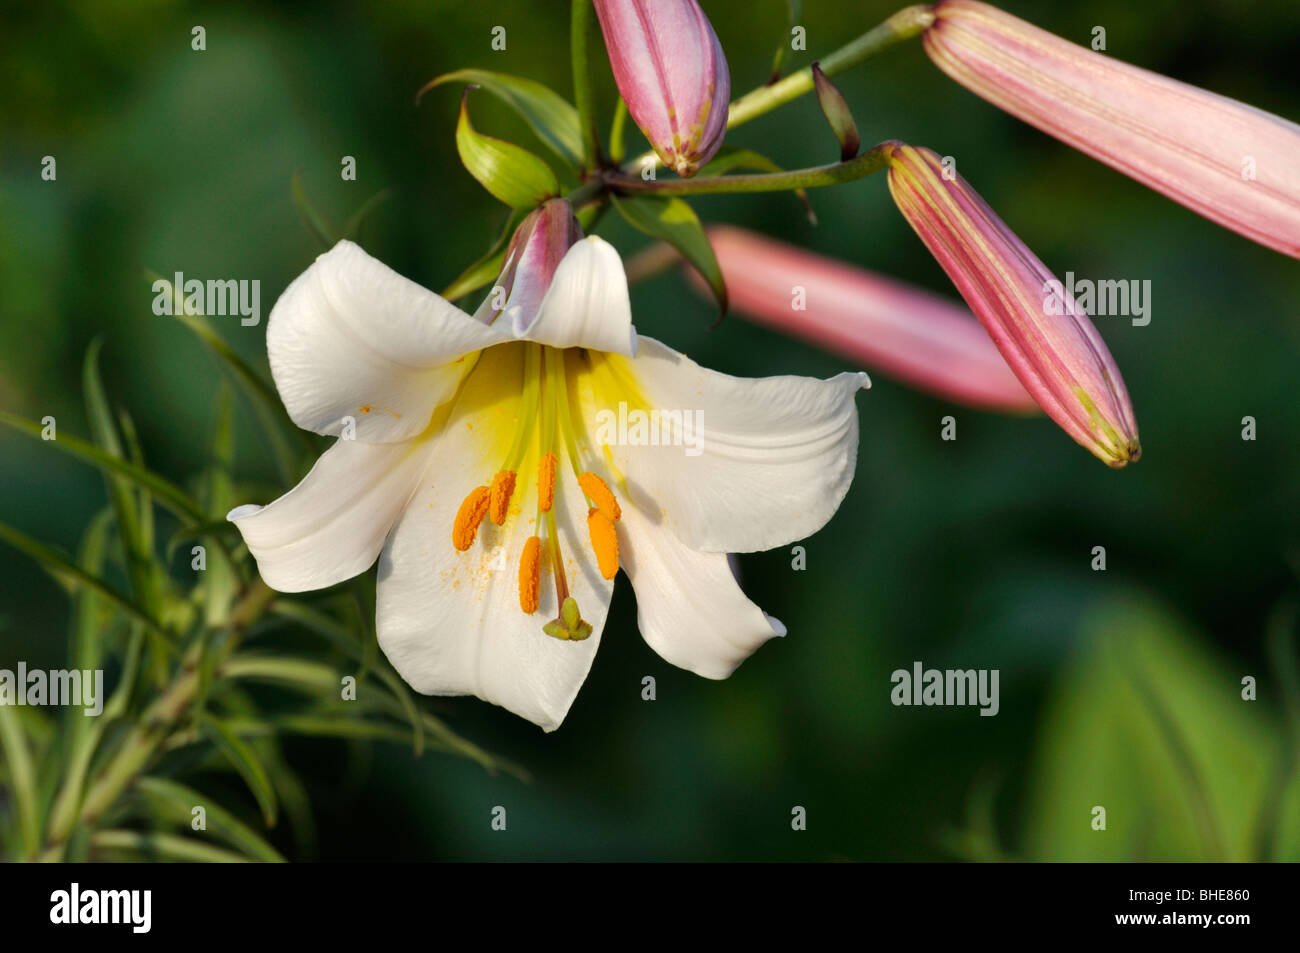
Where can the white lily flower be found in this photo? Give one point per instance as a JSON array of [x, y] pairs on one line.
[[503, 593]]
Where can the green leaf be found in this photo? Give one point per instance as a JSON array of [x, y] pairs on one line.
[[242, 757], [730, 158], [316, 223], [129, 522], [338, 635], [783, 48], [483, 271], [549, 115], [22, 777], [512, 174], [178, 802], [673, 220], [151, 846], [169, 495], [352, 231], [836, 110], [71, 576], [1149, 725]]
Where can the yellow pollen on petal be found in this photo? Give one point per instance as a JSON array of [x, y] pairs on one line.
[[503, 488], [469, 516], [530, 574], [598, 492], [604, 542], [546, 482]]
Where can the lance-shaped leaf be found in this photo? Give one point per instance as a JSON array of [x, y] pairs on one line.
[[836, 110], [176, 802], [673, 220], [512, 174], [246, 763], [1043, 334], [1230, 162], [548, 114], [795, 8]]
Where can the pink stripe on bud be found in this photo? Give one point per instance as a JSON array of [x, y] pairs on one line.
[[1234, 164], [672, 74], [1042, 333], [916, 337]]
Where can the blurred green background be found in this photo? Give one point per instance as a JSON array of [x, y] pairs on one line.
[[1118, 688]]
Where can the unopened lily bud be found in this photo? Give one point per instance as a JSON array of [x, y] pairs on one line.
[[1230, 162], [1043, 335], [672, 74]]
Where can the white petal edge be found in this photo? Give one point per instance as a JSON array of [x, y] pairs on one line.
[[587, 304], [333, 524], [450, 622], [771, 461], [351, 339], [690, 609]]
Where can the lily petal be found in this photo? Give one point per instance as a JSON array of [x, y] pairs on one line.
[[351, 338], [332, 525], [586, 305], [450, 622], [770, 462], [690, 609]]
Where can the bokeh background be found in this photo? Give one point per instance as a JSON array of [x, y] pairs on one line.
[[1119, 688]]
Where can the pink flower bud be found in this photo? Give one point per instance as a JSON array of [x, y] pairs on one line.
[[672, 74], [1042, 333], [535, 252], [1230, 162], [914, 336]]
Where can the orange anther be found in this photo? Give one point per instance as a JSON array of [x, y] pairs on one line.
[[598, 492], [604, 542], [546, 483], [530, 574], [469, 516], [503, 487]]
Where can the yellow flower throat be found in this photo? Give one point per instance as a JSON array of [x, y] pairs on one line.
[[546, 408]]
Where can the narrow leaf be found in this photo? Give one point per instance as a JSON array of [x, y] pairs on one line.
[[673, 220], [512, 174], [170, 495], [22, 777], [152, 846], [836, 110], [316, 223], [549, 115], [783, 48], [71, 576], [242, 757], [182, 800]]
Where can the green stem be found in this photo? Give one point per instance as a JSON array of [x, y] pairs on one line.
[[579, 27], [873, 160], [903, 25]]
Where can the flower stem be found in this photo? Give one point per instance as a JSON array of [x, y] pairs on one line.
[[579, 28], [873, 160]]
